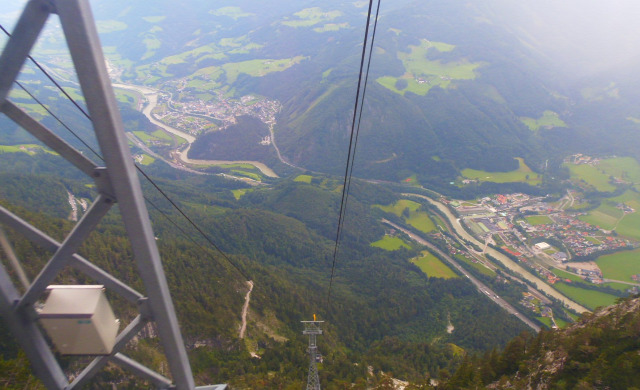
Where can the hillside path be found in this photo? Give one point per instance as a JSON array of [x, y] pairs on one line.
[[245, 308]]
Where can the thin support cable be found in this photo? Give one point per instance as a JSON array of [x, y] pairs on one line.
[[193, 224], [59, 120], [174, 223], [72, 100], [364, 93], [349, 164]]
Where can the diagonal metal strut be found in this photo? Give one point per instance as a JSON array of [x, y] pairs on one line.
[[117, 182]]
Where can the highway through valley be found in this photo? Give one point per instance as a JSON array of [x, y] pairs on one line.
[[483, 288], [507, 262]]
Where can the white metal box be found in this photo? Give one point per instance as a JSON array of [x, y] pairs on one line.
[[79, 320]]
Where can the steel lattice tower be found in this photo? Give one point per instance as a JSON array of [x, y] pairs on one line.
[[312, 328], [116, 181]]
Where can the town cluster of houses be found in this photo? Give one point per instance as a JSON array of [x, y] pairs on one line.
[[501, 216], [190, 113]]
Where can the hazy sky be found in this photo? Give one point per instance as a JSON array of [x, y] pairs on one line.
[[584, 36], [581, 36]]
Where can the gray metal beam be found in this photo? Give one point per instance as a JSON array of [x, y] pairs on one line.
[[28, 335], [98, 363], [158, 380], [70, 245], [22, 40], [48, 138], [13, 259], [86, 52], [44, 241]]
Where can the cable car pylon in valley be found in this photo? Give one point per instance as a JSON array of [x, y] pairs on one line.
[[312, 328]]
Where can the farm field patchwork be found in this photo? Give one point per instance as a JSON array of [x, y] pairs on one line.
[[423, 74]]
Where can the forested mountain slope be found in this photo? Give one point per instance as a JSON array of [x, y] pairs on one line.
[[600, 351], [282, 237], [454, 85]]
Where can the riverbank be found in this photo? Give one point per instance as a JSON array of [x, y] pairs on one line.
[[152, 98]]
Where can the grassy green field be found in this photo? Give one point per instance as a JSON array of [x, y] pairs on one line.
[[538, 220], [438, 221], [618, 286], [147, 160], [523, 174], [390, 243], [629, 225], [590, 299], [240, 192], [331, 27], [480, 267], [29, 149], [109, 26], [421, 221], [205, 79], [310, 17], [304, 179], [422, 74], [418, 219], [258, 68], [233, 12], [250, 175], [154, 19], [433, 267], [147, 138], [566, 275], [592, 176], [621, 265], [561, 323], [548, 120], [128, 97], [399, 207], [625, 168], [545, 320], [606, 216], [593, 240]]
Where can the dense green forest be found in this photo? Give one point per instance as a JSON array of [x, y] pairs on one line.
[[282, 237], [599, 351]]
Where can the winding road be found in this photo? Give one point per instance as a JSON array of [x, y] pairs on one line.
[[152, 97]]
